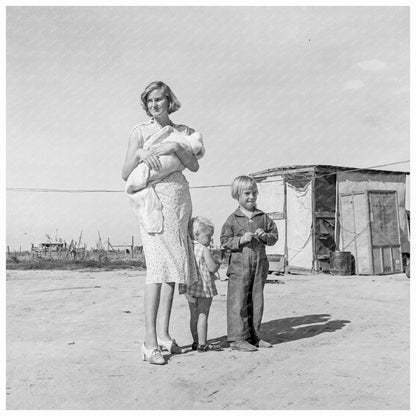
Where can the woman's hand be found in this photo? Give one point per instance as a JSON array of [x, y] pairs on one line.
[[150, 158]]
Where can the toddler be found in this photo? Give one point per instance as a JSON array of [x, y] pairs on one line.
[[200, 293], [245, 234]]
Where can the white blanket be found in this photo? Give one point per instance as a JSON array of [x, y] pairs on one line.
[[144, 200]]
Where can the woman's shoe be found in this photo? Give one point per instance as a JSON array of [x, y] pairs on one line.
[[171, 346], [154, 356], [194, 346]]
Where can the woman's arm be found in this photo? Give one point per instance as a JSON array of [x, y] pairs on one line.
[[211, 262], [187, 158], [135, 154]]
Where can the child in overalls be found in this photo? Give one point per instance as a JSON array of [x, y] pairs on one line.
[[245, 234]]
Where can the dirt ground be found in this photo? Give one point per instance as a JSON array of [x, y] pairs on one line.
[[339, 342]]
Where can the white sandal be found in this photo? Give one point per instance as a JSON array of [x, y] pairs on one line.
[[153, 355]]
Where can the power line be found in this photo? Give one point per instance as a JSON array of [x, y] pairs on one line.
[[62, 190], [11, 189]]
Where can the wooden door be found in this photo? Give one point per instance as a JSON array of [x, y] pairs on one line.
[[385, 232]]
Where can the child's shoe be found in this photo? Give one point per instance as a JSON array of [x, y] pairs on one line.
[[242, 346], [261, 343], [209, 347]]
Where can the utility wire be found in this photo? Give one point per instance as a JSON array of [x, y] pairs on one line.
[[61, 190], [10, 189]]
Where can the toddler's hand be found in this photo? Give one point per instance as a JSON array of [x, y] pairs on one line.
[[246, 238], [217, 258], [260, 233]]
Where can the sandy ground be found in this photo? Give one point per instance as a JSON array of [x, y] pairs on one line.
[[73, 341]]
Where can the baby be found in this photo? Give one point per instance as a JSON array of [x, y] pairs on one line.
[[142, 175], [143, 198]]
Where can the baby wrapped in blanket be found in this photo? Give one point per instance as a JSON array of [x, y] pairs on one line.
[[142, 195]]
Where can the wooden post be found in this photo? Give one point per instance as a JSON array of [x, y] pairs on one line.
[[286, 257], [336, 231], [315, 268]]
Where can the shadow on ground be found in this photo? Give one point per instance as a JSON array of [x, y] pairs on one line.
[[293, 328], [298, 327]]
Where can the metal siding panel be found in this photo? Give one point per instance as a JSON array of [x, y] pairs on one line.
[[377, 261], [397, 260], [387, 260]]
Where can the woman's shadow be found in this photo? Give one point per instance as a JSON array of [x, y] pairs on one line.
[[293, 328]]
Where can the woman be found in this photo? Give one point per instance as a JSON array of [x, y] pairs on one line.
[[168, 254]]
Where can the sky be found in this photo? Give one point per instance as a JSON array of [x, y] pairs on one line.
[[266, 86]]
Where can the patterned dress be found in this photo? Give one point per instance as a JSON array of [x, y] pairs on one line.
[[169, 254]]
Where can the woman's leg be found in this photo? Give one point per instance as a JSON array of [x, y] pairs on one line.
[[203, 311], [151, 305], [165, 309]]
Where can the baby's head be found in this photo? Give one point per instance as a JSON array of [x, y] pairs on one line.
[[244, 190], [202, 230]]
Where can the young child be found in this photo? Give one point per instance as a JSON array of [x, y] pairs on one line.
[[200, 294], [245, 234]]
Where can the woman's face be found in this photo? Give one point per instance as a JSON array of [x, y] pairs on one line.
[[157, 104]]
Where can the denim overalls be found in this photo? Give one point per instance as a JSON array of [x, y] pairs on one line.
[[247, 272]]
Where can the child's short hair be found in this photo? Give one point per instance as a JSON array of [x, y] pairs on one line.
[[200, 224], [240, 183]]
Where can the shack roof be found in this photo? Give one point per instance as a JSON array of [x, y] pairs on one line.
[[294, 169]]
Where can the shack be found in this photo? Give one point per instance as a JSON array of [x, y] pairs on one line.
[[322, 209], [49, 248]]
